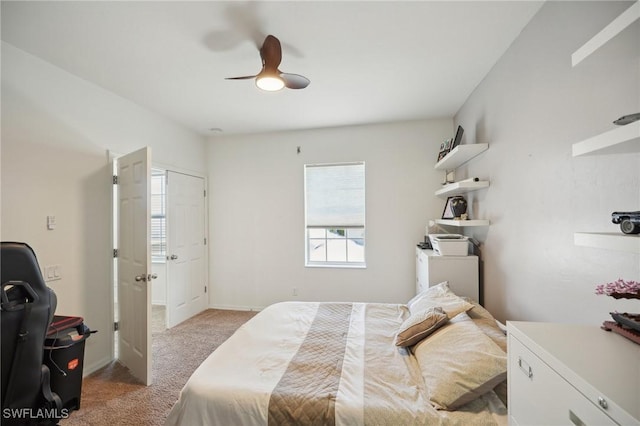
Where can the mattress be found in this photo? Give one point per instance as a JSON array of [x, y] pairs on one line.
[[319, 363]]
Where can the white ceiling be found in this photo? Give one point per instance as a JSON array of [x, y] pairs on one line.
[[367, 61]]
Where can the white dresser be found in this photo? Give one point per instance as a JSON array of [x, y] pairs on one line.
[[461, 272], [564, 374]]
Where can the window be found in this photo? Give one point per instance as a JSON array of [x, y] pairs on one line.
[[335, 214], [158, 216]]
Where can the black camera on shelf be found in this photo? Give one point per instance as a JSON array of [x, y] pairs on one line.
[[629, 221]]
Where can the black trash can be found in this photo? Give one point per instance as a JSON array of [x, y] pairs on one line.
[[64, 355]]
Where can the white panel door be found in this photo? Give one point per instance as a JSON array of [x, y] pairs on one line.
[[186, 255], [134, 263]]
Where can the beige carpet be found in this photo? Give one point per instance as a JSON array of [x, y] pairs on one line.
[[111, 396]]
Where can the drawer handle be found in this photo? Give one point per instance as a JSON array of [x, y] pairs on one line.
[[526, 368], [575, 419]]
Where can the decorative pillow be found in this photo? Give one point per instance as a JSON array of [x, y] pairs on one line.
[[442, 296], [487, 323], [459, 363], [419, 325]]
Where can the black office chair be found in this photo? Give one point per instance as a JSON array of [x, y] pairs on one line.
[[27, 308]]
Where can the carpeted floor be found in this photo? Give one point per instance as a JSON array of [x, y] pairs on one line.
[[111, 396]]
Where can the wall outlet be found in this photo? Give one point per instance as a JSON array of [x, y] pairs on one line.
[[295, 291]]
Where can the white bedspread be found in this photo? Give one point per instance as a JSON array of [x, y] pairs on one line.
[[379, 384]]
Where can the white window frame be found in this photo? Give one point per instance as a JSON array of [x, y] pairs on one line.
[[159, 254], [308, 229]]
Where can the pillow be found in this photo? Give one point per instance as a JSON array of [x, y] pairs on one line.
[[487, 323], [459, 363], [419, 325], [442, 296]]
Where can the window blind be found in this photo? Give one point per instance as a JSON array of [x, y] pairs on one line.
[[334, 195]]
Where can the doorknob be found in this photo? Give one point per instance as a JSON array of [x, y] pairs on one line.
[[174, 257], [148, 277]]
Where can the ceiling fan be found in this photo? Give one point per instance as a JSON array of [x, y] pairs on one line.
[[271, 78]]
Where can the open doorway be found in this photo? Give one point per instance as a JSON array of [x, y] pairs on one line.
[[159, 250], [160, 263], [178, 254], [185, 265]]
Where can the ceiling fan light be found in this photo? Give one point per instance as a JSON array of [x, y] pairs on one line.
[[270, 83]]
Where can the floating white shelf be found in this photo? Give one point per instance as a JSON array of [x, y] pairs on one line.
[[460, 155], [463, 223], [608, 241], [457, 188], [614, 28], [621, 140]]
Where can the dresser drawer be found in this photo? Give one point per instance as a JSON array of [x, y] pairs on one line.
[[538, 395]]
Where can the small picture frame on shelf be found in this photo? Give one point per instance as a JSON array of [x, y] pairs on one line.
[[447, 213], [445, 147], [458, 138]]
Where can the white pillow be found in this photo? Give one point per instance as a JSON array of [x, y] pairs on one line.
[[459, 363], [419, 325], [442, 296]]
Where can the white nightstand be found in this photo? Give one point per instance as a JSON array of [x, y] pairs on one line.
[[563, 374], [461, 271]]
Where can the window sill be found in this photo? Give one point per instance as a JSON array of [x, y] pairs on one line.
[[337, 265]]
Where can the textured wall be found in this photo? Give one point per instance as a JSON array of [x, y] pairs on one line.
[[531, 108]]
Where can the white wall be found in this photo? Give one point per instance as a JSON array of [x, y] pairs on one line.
[[530, 109], [56, 129], [257, 212]]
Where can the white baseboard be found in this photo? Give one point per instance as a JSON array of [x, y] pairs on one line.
[[95, 366], [237, 307]]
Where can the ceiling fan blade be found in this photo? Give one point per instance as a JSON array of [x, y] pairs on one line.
[[294, 81], [271, 53], [246, 77]]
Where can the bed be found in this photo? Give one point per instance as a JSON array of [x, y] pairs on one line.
[[440, 359]]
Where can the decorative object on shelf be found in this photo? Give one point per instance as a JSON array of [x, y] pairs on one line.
[[457, 138], [629, 221], [620, 329], [455, 208], [459, 206], [449, 177], [627, 119], [448, 145], [627, 325], [628, 320], [445, 147], [620, 289]]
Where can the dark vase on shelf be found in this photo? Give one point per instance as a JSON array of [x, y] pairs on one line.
[[458, 206]]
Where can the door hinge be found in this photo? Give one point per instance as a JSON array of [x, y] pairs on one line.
[[115, 179], [205, 192], [116, 326], [205, 288], [205, 241], [115, 252]]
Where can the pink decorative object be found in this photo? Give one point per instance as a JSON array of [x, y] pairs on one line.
[[620, 289]]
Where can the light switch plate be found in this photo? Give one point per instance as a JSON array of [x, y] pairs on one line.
[[51, 223]]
